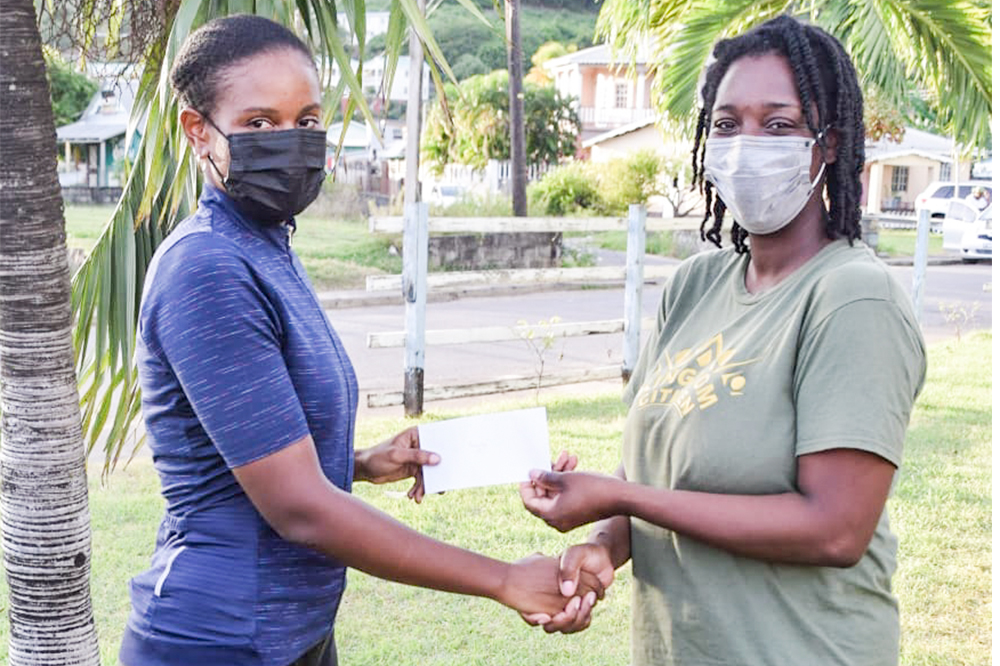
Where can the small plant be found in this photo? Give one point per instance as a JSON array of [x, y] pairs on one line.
[[539, 340], [959, 315], [567, 189]]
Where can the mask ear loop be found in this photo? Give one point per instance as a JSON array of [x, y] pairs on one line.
[[222, 178], [822, 165]]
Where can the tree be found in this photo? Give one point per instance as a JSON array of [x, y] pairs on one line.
[[546, 52], [940, 49], [46, 525], [46, 531], [515, 108], [71, 90], [476, 130]]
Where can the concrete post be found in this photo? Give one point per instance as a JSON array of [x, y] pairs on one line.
[[415, 297], [634, 255], [920, 262]]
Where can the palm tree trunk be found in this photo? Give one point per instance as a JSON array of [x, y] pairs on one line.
[[515, 71], [46, 525]]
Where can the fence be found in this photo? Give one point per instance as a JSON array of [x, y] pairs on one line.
[[415, 282]]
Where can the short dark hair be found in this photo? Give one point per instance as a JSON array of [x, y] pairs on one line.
[[220, 44], [824, 75]]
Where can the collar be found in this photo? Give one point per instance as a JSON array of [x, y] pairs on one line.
[[213, 197]]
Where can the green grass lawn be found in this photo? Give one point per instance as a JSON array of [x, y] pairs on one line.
[[903, 243], [941, 511], [337, 253]]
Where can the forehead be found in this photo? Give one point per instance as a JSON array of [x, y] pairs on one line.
[[757, 81], [271, 79]]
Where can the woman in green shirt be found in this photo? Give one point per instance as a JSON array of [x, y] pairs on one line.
[[769, 407]]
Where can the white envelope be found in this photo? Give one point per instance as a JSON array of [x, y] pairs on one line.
[[486, 450]]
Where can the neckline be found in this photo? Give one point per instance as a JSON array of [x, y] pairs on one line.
[[276, 233], [743, 295]]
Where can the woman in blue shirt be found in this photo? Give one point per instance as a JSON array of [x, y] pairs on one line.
[[249, 398]]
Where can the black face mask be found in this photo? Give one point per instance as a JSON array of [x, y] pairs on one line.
[[274, 175]]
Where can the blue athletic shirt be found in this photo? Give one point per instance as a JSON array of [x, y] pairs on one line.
[[236, 361]]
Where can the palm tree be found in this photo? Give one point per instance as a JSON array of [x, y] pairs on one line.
[[940, 49], [46, 525]]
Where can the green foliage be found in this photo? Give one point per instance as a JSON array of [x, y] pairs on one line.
[[936, 50], [631, 180], [546, 52], [480, 126], [460, 34], [71, 91], [568, 189], [606, 188]]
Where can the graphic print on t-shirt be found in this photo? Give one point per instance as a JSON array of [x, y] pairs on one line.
[[694, 377]]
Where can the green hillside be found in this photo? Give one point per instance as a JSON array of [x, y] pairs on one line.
[[473, 48]]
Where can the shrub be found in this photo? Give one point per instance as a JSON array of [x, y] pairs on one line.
[[631, 180], [568, 189]]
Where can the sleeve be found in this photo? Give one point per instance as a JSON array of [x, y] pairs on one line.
[[858, 374], [213, 326]]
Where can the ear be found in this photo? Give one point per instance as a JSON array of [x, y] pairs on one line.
[[832, 140], [197, 131]]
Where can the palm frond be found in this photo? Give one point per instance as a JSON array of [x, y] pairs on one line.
[[161, 188]]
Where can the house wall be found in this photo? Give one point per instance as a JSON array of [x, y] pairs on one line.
[[922, 172], [622, 146]]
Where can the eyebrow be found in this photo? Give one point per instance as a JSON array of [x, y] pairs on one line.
[[769, 105], [271, 112]]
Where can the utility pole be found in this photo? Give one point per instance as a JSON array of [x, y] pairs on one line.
[[515, 76]]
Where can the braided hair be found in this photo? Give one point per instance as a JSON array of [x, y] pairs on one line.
[[220, 44], [824, 76]]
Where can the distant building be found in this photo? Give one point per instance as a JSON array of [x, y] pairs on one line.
[[94, 147], [399, 89], [608, 95], [895, 173], [376, 23]]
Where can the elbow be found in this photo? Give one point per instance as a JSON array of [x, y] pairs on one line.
[[297, 524], [842, 550]]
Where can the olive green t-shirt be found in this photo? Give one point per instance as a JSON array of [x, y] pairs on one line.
[[731, 388]]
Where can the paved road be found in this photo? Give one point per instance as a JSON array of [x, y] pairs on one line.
[[382, 369]]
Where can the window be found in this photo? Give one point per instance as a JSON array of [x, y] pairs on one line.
[[900, 178], [945, 173], [621, 95]]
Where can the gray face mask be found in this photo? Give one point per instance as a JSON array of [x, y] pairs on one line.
[[763, 180]]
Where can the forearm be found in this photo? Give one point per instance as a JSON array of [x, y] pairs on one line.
[[350, 531], [615, 535], [786, 528]]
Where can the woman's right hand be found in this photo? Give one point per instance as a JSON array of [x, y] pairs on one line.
[[532, 588]]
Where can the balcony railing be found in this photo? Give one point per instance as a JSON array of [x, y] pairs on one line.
[[609, 117]]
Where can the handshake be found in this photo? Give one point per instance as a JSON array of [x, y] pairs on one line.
[[559, 593], [582, 573]]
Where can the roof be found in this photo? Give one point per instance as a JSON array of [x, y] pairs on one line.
[[357, 135], [915, 142], [906, 152], [598, 55], [619, 131], [93, 130], [105, 117]]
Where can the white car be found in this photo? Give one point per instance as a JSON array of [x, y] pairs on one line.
[[939, 193], [969, 231]]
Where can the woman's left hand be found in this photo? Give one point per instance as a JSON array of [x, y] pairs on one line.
[[396, 459], [568, 500]]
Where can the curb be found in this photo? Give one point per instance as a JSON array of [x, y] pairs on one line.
[[336, 300]]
